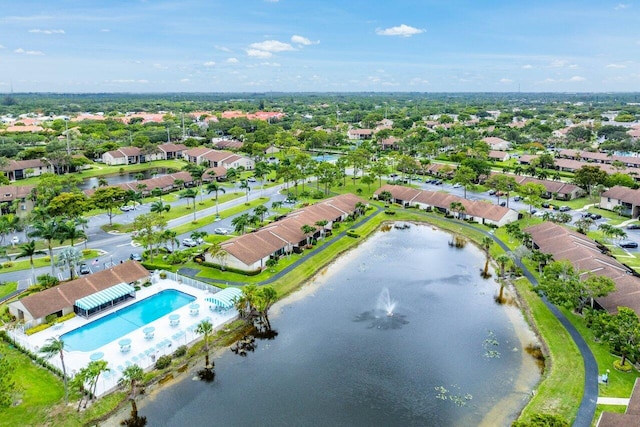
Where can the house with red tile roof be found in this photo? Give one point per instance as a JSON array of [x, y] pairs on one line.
[[626, 197], [60, 300], [479, 211], [172, 151], [122, 156], [19, 193], [359, 134], [500, 156], [218, 158], [250, 252], [496, 143], [587, 257], [20, 169]]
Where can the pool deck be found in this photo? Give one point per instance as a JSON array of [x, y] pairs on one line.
[[143, 352]]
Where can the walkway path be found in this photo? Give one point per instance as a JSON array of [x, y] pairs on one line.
[[622, 401]]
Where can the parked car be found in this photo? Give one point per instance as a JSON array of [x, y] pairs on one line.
[[503, 204], [251, 179], [594, 216], [221, 231], [84, 269], [165, 249], [517, 199], [135, 257], [628, 244], [546, 205], [564, 209], [457, 185], [633, 227], [190, 243], [492, 192], [15, 240], [126, 208]]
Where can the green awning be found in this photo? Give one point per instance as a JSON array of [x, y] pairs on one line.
[[225, 297], [104, 296]]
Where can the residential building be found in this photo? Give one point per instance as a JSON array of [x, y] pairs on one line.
[[626, 197], [20, 169]]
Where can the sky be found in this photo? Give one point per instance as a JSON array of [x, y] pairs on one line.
[[152, 46]]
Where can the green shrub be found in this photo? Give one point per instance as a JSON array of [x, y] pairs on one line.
[[163, 362], [66, 317], [163, 275], [353, 234], [390, 212], [627, 367], [7, 264], [86, 252], [180, 351], [38, 328]]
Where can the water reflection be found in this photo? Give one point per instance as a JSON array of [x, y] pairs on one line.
[[449, 354]]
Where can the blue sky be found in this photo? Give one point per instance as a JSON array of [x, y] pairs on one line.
[[329, 45]]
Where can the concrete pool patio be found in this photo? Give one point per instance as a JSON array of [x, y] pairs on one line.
[[169, 332]]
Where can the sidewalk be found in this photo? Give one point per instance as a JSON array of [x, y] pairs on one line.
[[613, 401]]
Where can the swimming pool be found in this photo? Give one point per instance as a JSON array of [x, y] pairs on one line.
[[113, 326]]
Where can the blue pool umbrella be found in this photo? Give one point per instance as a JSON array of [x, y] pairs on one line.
[[148, 329], [96, 356], [124, 342], [174, 317]]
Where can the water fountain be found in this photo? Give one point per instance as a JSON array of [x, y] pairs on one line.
[[385, 303], [383, 316]]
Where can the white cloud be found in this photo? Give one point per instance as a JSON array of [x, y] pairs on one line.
[[303, 41], [209, 64], [271, 64], [401, 30], [527, 66], [185, 80], [559, 63], [258, 53], [577, 79], [271, 46], [621, 6], [128, 81], [37, 30], [160, 67], [232, 60], [222, 48], [105, 30], [2, 47], [505, 80], [418, 81], [21, 51], [615, 66]]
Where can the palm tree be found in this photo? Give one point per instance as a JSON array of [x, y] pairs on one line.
[[265, 298], [171, 237], [213, 186], [196, 171], [53, 347], [486, 244], [457, 207], [49, 231], [29, 250], [160, 207], [190, 193], [308, 230], [260, 211], [205, 328], [157, 192], [70, 257], [322, 224], [131, 376], [240, 223], [502, 261], [69, 231], [244, 185]]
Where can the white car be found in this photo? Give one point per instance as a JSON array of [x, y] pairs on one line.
[[127, 208], [190, 243], [15, 240], [221, 231], [457, 185]]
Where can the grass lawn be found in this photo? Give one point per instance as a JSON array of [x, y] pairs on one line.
[[36, 387], [7, 287], [24, 263]]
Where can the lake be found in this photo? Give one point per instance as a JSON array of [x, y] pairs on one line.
[[448, 356]]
